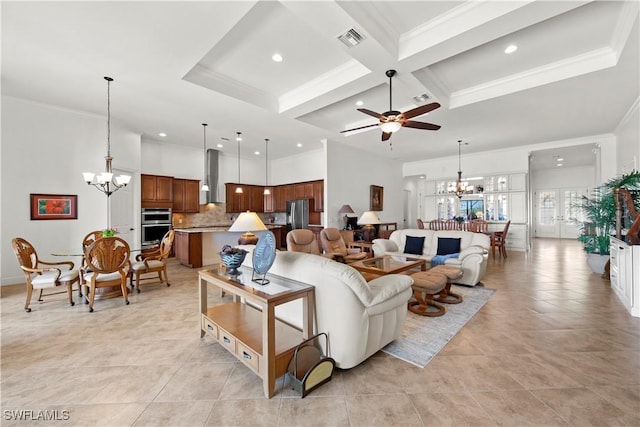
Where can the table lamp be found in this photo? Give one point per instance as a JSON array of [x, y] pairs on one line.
[[345, 209], [368, 231], [248, 222]]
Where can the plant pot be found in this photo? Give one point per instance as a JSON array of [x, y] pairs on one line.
[[597, 262]]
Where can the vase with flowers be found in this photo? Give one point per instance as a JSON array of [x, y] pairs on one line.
[[109, 232]]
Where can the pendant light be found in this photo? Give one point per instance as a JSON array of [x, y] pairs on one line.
[[105, 181], [238, 139], [204, 187], [266, 167], [459, 189]]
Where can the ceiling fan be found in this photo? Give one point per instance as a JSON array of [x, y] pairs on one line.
[[392, 120]]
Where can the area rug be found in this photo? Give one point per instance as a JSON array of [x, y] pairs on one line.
[[423, 337]]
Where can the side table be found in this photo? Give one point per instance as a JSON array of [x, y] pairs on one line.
[[366, 247], [247, 327]]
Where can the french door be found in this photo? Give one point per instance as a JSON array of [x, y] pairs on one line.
[[557, 212]]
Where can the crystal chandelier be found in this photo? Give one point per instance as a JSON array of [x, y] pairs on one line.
[[105, 181]]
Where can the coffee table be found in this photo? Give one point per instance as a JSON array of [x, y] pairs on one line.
[[388, 264]]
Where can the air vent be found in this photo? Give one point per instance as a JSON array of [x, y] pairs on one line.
[[421, 99], [351, 38]]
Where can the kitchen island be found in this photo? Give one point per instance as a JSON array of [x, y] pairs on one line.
[[198, 246]]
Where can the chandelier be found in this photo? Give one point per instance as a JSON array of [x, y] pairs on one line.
[[459, 188], [105, 181]]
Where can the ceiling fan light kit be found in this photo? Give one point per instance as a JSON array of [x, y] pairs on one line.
[[392, 120]]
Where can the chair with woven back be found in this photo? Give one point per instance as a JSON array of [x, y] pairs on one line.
[[498, 239], [108, 262], [41, 274], [86, 242], [153, 262]]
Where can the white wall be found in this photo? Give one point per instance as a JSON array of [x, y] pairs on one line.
[[350, 172], [45, 150], [308, 166], [628, 137], [578, 177]]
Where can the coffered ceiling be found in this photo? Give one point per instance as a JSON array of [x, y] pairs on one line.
[[179, 64]]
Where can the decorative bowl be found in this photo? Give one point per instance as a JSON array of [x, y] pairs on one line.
[[233, 260]]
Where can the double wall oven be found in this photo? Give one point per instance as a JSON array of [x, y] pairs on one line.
[[155, 224]]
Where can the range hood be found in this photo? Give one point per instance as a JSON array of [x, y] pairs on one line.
[[212, 176]]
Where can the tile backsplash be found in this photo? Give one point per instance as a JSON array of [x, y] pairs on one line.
[[216, 215]]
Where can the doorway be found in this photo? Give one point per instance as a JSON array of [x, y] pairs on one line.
[[122, 211], [557, 212]]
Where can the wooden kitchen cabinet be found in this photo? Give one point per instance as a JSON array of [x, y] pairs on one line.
[[256, 198], [186, 196], [188, 248], [318, 195], [269, 200], [156, 191]]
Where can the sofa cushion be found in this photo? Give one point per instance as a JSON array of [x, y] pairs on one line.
[[414, 245], [448, 245]]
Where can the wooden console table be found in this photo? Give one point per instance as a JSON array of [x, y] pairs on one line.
[[247, 326]]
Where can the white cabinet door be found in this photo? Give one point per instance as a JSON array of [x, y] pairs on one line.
[[518, 182], [518, 207]]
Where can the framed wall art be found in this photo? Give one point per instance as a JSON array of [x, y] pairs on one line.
[[54, 206], [377, 198]]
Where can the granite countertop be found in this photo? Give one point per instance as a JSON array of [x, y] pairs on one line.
[[203, 229]]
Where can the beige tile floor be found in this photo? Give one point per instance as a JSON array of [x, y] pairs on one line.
[[554, 346]]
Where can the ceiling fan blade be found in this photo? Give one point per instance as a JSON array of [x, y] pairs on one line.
[[418, 111], [386, 135], [420, 125], [371, 113], [361, 127]]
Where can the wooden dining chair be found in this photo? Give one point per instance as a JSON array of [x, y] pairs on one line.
[[153, 262], [108, 261], [420, 224], [41, 274], [498, 239], [86, 242]]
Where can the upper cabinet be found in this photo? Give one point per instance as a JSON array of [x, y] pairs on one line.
[[186, 195], [253, 198], [156, 191]]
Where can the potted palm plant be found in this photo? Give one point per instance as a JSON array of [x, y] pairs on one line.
[[599, 211]]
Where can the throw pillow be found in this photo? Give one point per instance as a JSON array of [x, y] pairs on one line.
[[448, 245], [413, 245]]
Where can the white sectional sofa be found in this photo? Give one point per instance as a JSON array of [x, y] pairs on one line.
[[359, 317], [474, 249]]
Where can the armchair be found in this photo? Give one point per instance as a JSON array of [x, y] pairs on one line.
[[154, 262], [40, 274], [334, 244], [302, 240]]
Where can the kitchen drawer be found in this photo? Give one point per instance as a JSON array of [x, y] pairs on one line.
[[249, 357], [209, 327], [227, 340]]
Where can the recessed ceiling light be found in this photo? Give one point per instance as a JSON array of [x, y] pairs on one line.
[[359, 103], [162, 134], [511, 48], [299, 144], [277, 57], [559, 164], [560, 159], [422, 177], [219, 145], [257, 153]]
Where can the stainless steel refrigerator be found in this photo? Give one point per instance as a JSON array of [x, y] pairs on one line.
[[297, 214]]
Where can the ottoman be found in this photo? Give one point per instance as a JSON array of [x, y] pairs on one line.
[[426, 284], [452, 274]]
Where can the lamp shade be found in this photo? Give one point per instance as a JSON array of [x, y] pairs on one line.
[[247, 221], [345, 209], [369, 218]]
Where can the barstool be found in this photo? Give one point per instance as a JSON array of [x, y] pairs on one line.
[[427, 284], [452, 273]]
